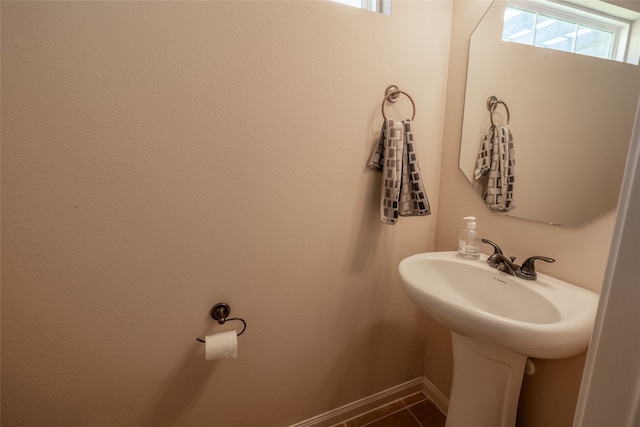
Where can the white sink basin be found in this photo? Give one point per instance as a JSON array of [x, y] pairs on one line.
[[543, 318]]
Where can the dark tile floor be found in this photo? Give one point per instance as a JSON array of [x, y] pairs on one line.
[[412, 411]]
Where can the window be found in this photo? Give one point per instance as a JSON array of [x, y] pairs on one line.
[[554, 26], [382, 6]]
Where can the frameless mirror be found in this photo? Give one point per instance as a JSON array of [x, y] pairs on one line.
[[571, 117]]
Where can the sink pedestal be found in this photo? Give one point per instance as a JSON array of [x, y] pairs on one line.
[[486, 384]]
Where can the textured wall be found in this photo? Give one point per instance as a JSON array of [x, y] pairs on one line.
[[159, 157], [548, 398]]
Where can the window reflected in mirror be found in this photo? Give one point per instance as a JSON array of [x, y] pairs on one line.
[[576, 29]]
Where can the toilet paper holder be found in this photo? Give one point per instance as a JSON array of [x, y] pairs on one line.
[[220, 312]]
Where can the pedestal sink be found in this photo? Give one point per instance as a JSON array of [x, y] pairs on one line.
[[496, 322]]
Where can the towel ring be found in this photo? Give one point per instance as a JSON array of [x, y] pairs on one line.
[[391, 94], [492, 103]]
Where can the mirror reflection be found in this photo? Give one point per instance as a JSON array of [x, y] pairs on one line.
[[571, 118]]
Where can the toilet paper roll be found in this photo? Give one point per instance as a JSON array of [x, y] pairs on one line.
[[221, 346]]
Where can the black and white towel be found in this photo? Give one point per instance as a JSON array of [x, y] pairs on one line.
[[495, 168], [402, 192]]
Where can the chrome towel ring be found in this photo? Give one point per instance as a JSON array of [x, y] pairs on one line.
[[492, 103], [391, 94]]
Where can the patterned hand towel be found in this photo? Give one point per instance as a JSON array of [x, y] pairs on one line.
[[392, 171], [413, 198], [495, 165], [377, 157], [402, 192]]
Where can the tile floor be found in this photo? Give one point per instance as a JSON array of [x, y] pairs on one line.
[[412, 411]]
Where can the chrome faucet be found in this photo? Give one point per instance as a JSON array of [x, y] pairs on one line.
[[500, 262]]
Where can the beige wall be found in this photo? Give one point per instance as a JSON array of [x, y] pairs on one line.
[[159, 157], [548, 398]]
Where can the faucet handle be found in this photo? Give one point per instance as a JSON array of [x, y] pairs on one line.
[[528, 269], [496, 248], [496, 251]]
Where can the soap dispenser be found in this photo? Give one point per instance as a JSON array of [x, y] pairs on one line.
[[468, 243]]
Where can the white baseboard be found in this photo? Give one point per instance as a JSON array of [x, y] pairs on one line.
[[377, 400], [440, 400]]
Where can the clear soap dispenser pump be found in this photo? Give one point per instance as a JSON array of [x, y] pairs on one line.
[[468, 243]]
